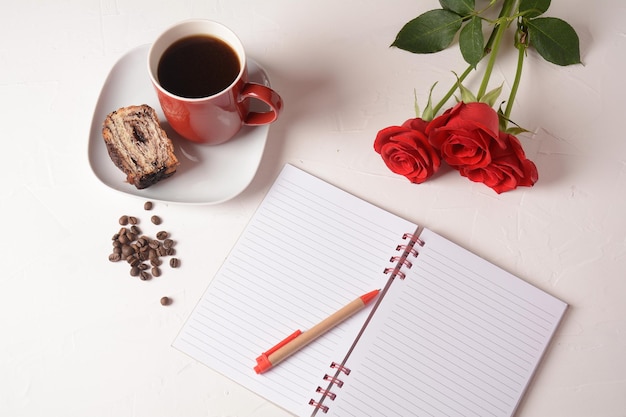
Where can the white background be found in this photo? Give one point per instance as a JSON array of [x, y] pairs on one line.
[[80, 337]]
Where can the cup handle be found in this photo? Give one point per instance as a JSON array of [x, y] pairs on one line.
[[267, 96]]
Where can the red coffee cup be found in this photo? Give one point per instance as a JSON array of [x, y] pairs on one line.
[[198, 69]]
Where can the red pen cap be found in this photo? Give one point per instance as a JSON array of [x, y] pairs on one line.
[[263, 362]]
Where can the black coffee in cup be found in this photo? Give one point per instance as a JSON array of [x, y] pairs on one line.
[[198, 66]]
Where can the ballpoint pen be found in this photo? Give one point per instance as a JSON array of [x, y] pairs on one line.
[[299, 339]]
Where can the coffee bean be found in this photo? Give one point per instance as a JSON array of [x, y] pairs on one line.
[[174, 262], [133, 260], [135, 230], [156, 272], [155, 220], [123, 220], [162, 235], [144, 276], [134, 271], [114, 257], [147, 205], [127, 250], [165, 301], [168, 243], [155, 262], [133, 220]]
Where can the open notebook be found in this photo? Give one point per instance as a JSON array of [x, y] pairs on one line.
[[449, 335]]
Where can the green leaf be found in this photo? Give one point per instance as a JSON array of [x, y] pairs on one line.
[[471, 41], [460, 7], [533, 8], [490, 97], [430, 32], [554, 39]]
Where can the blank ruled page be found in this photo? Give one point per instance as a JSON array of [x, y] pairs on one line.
[[458, 337], [309, 249]]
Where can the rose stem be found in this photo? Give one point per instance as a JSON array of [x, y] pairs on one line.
[[503, 23], [521, 46], [452, 90], [486, 51]]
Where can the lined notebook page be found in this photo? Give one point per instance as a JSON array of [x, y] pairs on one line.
[[309, 249], [457, 337]]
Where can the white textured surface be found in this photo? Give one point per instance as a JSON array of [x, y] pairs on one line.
[[79, 337]]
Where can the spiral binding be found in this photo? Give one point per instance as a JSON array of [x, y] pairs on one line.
[[340, 367], [413, 238], [411, 249], [399, 262], [395, 271], [333, 380], [318, 405], [402, 261], [326, 393]]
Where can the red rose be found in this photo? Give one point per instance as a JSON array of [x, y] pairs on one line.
[[508, 169], [416, 124], [464, 134], [406, 151]]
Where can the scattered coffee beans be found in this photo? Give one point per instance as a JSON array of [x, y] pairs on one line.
[[142, 253]]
